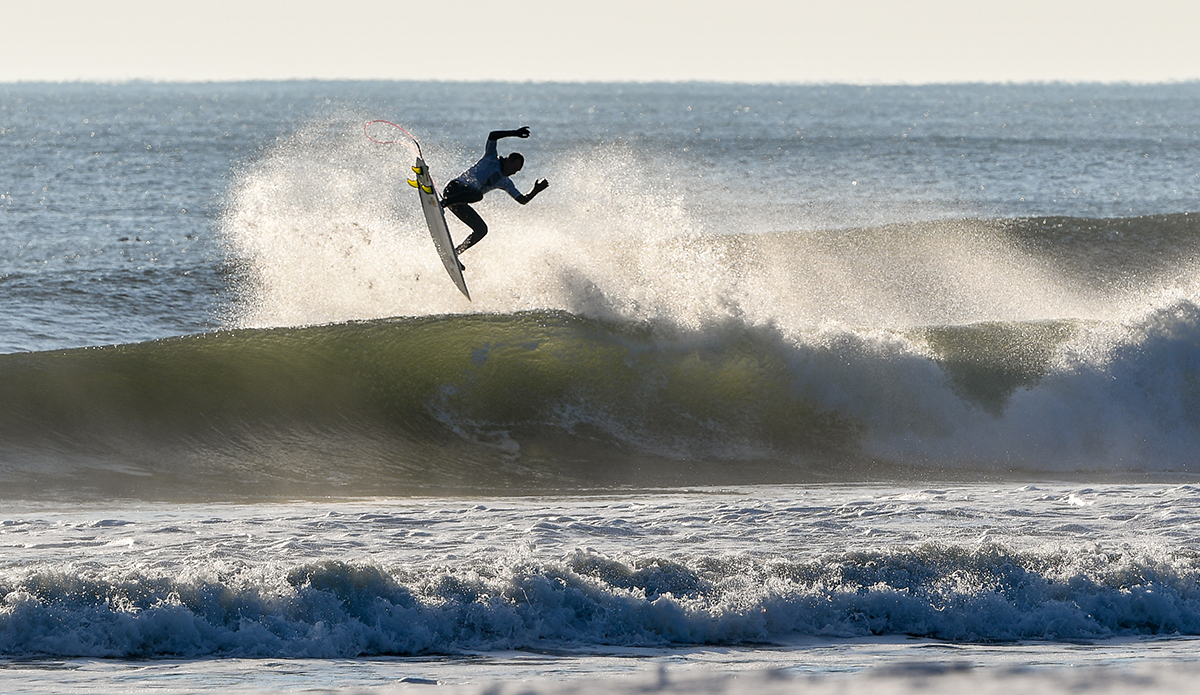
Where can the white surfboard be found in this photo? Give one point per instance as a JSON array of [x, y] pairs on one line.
[[435, 217]]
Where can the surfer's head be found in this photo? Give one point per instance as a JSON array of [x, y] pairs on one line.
[[512, 163]]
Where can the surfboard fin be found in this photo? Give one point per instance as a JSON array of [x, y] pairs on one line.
[[427, 189], [418, 170], [414, 184]]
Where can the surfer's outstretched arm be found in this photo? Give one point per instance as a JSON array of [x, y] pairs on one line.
[[538, 186], [522, 132]]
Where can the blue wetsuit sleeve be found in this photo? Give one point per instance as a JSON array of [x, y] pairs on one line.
[[511, 188]]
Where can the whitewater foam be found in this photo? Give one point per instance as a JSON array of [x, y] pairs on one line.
[[740, 567]]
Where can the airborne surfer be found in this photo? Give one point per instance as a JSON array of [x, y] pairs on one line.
[[489, 173]]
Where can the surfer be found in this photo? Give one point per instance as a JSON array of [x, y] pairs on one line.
[[488, 174]]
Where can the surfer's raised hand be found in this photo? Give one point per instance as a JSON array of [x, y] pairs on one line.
[[538, 186], [522, 132]]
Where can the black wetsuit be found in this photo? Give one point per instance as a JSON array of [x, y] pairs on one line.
[[486, 175]]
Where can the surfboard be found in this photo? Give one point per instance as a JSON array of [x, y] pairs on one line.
[[435, 218]]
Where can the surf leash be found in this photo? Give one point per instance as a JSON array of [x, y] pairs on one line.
[[367, 133], [432, 187]]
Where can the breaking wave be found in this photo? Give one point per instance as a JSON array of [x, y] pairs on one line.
[[550, 401], [336, 609]]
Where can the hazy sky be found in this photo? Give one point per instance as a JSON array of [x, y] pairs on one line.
[[863, 41]]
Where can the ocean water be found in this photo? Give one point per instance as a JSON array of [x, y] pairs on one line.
[[829, 388]]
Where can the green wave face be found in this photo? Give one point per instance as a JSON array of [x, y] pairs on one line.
[[483, 402]]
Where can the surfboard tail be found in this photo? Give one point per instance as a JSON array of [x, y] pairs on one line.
[[435, 218]]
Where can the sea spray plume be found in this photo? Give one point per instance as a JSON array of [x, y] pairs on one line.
[[361, 250], [327, 231], [313, 227]]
